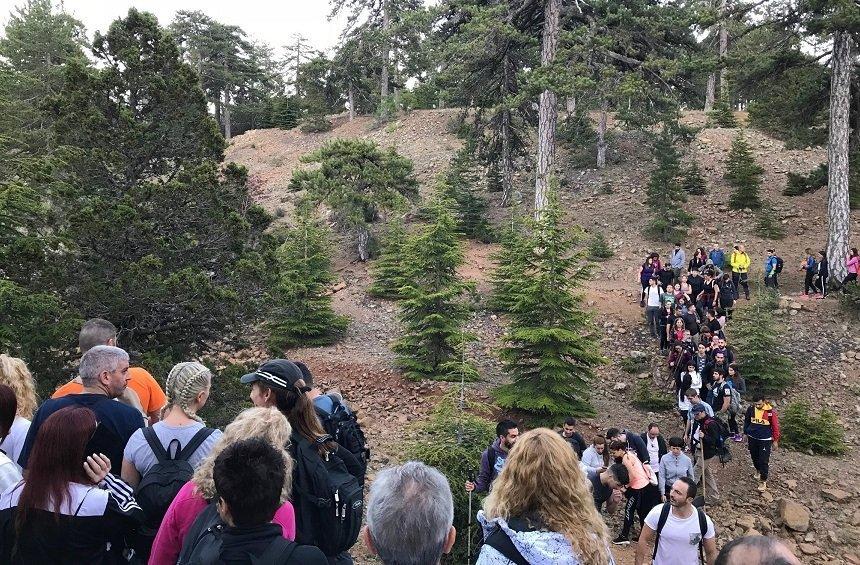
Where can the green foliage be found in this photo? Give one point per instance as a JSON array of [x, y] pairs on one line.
[[665, 195], [634, 363], [391, 271], [433, 310], [598, 248], [551, 350], [768, 224], [647, 397], [494, 178], [459, 185], [285, 112], [692, 180], [316, 124], [802, 184], [387, 110], [820, 434], [510, 262], [452, 440], [743, 175], [357, 181], [228, 396], [850, 299], [300, 313], [722, 115], [756, 336]]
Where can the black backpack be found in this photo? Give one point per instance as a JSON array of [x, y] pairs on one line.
[[202, 544], [664, 515], [722, 447], [330, 500], [498, 539], [160, 484], [342, 425], [778, 264]]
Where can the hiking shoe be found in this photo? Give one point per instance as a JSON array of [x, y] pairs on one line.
[[762, 486], [738, 438], [621, 540]]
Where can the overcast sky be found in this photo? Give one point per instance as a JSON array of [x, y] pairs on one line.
[[270, 21]]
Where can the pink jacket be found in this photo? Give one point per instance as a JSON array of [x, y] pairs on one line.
[[853, 264], [187, 505]]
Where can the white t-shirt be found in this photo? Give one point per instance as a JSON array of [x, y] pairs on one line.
[[13, 443], [653, 293], [653, 453], [679, 540]]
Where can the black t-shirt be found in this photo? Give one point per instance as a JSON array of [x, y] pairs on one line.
[[600, 491]]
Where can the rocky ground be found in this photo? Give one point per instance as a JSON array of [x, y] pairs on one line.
[[811, 501]]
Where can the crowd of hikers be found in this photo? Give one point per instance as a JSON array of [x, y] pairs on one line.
[[116, 469]]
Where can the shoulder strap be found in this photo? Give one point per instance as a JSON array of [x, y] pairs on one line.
[[500, 541], [195, 442], [278, 552], [664, 515], [703, 528], [155, 444]]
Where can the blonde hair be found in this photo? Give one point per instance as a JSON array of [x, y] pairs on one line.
[[184, 382], [265, 423], [541, 478], [14, 374]]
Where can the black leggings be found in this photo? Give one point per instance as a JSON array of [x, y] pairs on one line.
[[733, 423], [821, 285], [852, 277]]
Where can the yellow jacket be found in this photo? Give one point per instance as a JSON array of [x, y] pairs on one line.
[[740, 262]]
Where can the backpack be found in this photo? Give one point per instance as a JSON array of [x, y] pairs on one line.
[[735, 402], [330, 499], [202, 544], [722, 447], [664, 516], [498, 539], [779, 265], [342, 425], [159, 485]]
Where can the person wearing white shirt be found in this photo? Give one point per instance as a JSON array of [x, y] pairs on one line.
[[592, 457]]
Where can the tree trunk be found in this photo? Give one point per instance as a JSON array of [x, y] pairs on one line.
[[724, 50], [363, 237], [570, 105], [548, 111], [709, 92], [507, 165], [218, 111], [601, 134], [351, 102], [386, 47], [227, 126], [838, 213]]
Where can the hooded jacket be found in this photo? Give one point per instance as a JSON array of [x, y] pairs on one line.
[[538, 547], [740, 262], [762, 424], [492, 461]]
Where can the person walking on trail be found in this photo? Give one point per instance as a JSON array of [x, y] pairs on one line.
[[705, 447], [740, 264], [636, 492], [698, 261], [673, 466], [493, 458], [677, 260], [822, 273], [573, 437], [809, 267], [681, 533], [771, 276], [761, 426], [727, 294], [647, 272], [737, 382], [853, 265], [718, 256], [607, 486], [651, 299]]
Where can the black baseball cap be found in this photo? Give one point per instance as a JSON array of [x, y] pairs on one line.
[[277, 373]]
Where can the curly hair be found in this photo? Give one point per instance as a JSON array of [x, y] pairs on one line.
[[541, 478], [14, 373], [264, 423], [184, 382]]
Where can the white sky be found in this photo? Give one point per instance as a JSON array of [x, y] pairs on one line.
[[269, 21]]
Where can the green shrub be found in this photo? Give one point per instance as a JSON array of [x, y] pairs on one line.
[[692, 181], [820, 434], [598, 248], [743, 175], [452, 440], [665, 195], [387, 110], [850, 299], [634, 363], [755, 335], [228, 396], [803, 184], [316, 124], [722, 115], [768, 224], [647, 398], [390, 269]]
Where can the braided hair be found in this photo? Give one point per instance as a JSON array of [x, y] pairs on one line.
[[184, 382]]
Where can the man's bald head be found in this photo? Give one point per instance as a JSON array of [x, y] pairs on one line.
[[756, 550]]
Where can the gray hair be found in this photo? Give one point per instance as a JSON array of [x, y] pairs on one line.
[[95, 331], [409, 514], [99, 359]]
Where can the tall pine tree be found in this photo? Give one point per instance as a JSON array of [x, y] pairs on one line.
[[300, 312], [743, 174], [459, 184], [510, 264], [665, 195], [434, 308], [391, 270], [551, 349]]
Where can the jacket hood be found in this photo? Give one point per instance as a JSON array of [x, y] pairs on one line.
[[538, 547]]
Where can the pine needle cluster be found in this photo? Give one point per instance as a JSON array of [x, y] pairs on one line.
[[551, 350], [692, 180], [390, 270], [744, 175], [722, 115], [460, 185], [510, 265]]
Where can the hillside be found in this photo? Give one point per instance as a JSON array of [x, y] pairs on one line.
[[611, 201]]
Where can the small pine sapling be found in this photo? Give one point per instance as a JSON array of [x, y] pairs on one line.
[[743, 175]]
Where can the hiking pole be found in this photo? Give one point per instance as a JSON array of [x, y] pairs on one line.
[[469, 528]]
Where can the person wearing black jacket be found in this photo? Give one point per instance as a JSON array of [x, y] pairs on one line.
[[822, 272], [570, 435], [633, 442], [705, 444]]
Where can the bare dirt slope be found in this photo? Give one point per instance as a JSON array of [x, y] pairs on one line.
[[822, 343]]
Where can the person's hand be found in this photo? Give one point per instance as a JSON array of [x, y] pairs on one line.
[[616, 496], [700, 434], [470, 486], [97, 466], [663, 498], [602, 469], [776, 445]]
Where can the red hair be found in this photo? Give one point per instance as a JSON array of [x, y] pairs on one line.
[[56, 460]]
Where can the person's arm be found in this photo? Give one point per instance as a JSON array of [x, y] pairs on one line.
[[710, 545], [661, 478], [727, 400], [690, 471], [482, 483], [774, 428], [747, 420], [129, 473], [643, 546], [581, 442], [614, 501], [122, 513]]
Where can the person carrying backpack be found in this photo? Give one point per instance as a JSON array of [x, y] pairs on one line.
[[761, 426], [772, 268], [160, 459], [707, 443], [238, 529], [680, 532], [328, 481]]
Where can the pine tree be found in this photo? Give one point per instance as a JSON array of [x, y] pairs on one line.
[[598, 248], [390, 271], [300, 312], [665, 196], [743, 174], [459, 184], [433, 310], [755, 335], [722, 115], [768, 224], [550, 350], [510, 262], [494, 178], [693, 182]]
